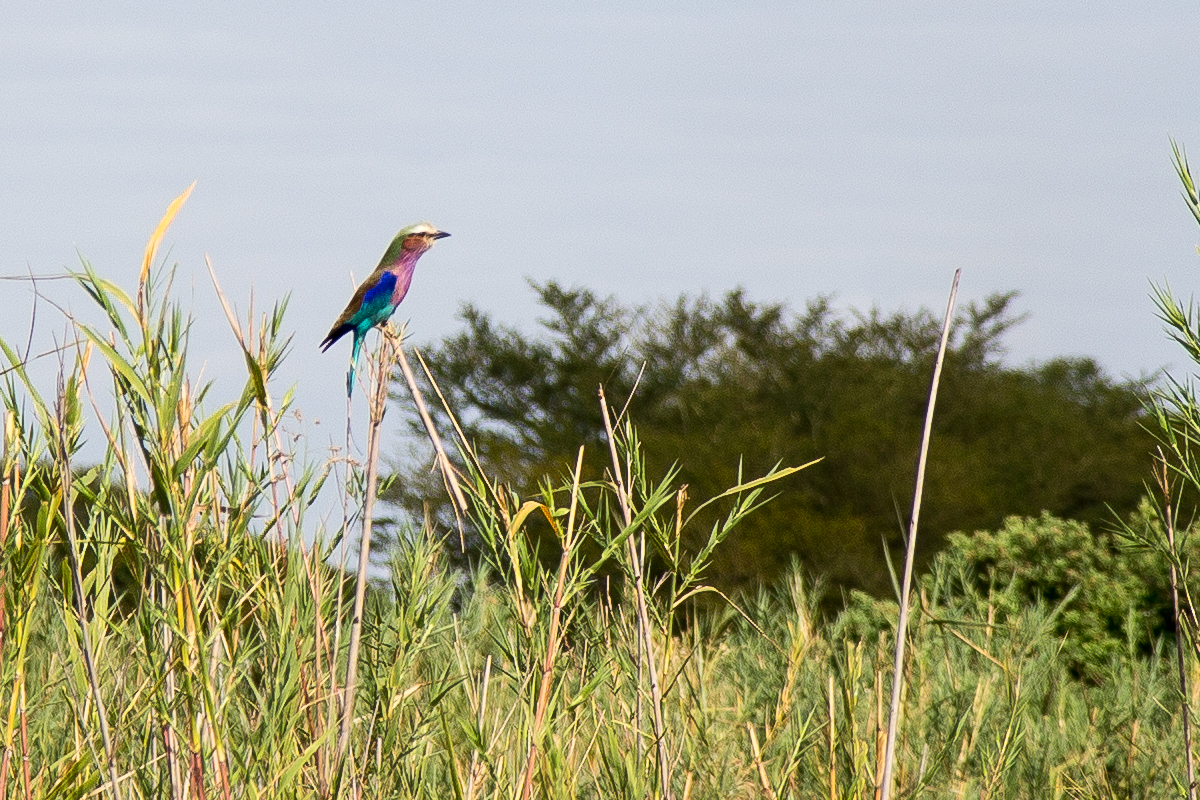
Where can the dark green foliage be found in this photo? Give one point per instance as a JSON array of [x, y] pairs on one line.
[[1113, 601], [1117, 595], [736, 385]]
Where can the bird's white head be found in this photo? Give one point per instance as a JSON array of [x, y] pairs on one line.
[[411, 242], [422, 229]]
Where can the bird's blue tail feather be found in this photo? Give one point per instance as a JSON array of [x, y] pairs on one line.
[[358, 341]]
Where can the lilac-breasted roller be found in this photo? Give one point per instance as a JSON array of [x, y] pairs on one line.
[[376, 299]]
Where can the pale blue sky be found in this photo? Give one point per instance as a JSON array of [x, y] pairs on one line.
[[860, 149]]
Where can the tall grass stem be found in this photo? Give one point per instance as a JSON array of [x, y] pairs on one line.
[[448, 475], [5, 495], [910, 546], [552, 642], [378, 407]]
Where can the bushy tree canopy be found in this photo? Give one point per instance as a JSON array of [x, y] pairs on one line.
[[729, 385]]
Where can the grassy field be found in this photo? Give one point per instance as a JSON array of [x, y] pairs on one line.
[[169, 632]]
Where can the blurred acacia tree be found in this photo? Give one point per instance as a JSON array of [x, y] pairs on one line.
[[730, 385]]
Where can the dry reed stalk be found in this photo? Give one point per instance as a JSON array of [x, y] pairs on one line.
[[443, 460], [543, 700], [1164, 486], [378, 406], [660, 742], [761, 768], [467, 452], [911, 547]]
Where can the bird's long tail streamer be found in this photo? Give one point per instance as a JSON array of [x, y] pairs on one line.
[[354, 351]]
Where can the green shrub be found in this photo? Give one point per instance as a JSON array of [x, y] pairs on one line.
[[1098, 578]]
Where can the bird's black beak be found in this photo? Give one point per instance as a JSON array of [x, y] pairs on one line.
[[440, 235]]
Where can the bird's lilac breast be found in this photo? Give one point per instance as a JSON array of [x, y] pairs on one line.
[[403, 273]]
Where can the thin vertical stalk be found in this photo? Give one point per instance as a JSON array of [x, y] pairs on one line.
[[485, 683], [448, 475], [660, 742], [1164, 486], [833, 793], [64, 462], [5, 492], [543, 701], [756, 754], [338, 607], [880, 742], [5, 498], [911, 547], [26, 781], [170, 740], [378, 406]]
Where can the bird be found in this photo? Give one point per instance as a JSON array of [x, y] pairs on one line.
[[377, 297]]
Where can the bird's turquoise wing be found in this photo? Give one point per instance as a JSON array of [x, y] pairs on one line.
[[376, 304]]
